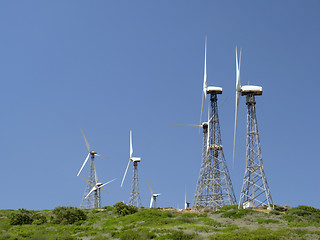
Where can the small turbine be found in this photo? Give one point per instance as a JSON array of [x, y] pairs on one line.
[[186, 204], [153, 200], [96, 189]]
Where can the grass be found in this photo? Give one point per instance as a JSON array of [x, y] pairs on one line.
[[228, 223]]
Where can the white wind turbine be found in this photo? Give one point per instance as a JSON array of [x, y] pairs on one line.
[[186, 204], [92, 200], [153, 200], [134, 196], [255, 191], [96, 190]]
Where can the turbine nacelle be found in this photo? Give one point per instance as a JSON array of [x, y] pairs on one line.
[[250, 89], [135, 159], [212, 89], [93, 153]]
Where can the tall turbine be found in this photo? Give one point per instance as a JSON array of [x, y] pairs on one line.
[[95, 190], [255, 191], [92, 200], [153, 200], [134, 195], [214, 187]]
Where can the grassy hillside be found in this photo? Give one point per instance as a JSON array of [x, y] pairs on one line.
[[123, 222]]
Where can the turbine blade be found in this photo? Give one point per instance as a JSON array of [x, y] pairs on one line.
[[131, 148], [90, 192], [203, 99], [185, 198], [107, 183], [95, 175], [84, 163], [188, 125], [204, 87], [101, 187], [100, 156], [149, 188], [105, 190], [85, 139], [87, 180], [208, 139], [151, 201], [235, 124], [125, 173], [238, 81]]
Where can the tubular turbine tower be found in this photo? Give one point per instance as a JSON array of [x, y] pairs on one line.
[[255, 191], [214, 188]]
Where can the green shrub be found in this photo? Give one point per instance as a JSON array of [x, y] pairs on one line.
[[21, 217], [280, 208], [236, 213], [108, 208], [68, 215], [275, 212], [186, 219], [123, 209], [303, 211], [267, 221], [179, 235], [228, 207], [38, 219], [130, 235]]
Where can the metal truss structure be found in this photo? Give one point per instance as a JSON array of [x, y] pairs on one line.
[[214, 188], [255, 190]]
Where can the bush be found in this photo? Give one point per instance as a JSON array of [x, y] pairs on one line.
[[68, 215], [228, 207], [123, 209], [266, 221], [130, 235], [179, 235], [38, 219], [303, 210], [21, 217], [236, 213]]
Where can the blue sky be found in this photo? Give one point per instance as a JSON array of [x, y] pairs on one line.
[[116, 66]]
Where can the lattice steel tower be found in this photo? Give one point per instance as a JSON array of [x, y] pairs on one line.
[[214, 187], [134, 198], [255, 191], [134, 195], [93, 200]]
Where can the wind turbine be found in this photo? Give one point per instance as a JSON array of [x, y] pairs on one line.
[[153, 200], [92, 200], [134, 196], [96, 191], [186, 204], [214, 187], [255, 191]]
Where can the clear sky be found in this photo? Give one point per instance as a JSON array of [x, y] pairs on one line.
[[116, 66]]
